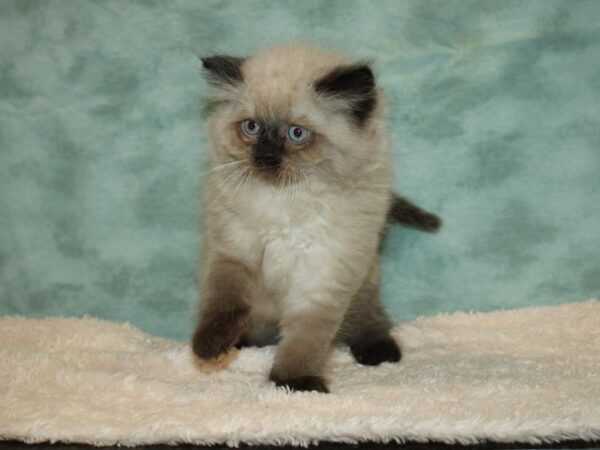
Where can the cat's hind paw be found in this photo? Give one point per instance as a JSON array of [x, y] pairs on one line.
[[376, 352]]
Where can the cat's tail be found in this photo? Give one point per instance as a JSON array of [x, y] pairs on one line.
[[403, 212]]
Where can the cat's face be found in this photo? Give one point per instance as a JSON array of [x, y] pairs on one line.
[[292, 111], [277, 148]]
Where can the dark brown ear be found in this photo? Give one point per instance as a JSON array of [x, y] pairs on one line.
[[223, 70], [355, 83]]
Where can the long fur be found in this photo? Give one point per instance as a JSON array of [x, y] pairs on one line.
[[290, 252]]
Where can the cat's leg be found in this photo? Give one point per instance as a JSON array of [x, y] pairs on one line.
[[322, 283], [366, 327], [225, 307], [306, 337]]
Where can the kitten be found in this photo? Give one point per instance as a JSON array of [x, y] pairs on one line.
[[296, 200]]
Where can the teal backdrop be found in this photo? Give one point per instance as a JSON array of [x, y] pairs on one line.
[[494, 108]]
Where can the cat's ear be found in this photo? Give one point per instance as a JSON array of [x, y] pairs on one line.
[[354, 84], [223, 70]]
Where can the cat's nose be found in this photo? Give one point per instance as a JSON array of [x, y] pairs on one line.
[[267, 159], [268, 151]]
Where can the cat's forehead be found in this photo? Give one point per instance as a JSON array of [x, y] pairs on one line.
[[282, 77]]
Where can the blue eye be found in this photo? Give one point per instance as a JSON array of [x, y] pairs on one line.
[[251, 127], [298, 134]]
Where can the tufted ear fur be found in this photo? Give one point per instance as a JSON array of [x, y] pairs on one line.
[[354, 83], [223, 70]]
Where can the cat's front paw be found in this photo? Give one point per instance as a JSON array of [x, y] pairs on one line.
[[209, 343], [305, 383], [376, 352]]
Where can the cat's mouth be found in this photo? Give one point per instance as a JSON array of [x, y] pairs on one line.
[[272, 174], [278, 175]]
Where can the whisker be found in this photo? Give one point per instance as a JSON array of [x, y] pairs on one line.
[[238, 181], [247, 180], [296, 184], [304, 177], [220, 167], [291, 185], [226, 184], [286, 186], [226, 181]]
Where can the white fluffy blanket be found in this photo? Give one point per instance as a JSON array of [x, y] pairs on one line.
[[529, 375]]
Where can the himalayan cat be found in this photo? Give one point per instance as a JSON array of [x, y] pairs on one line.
[[296, 201]]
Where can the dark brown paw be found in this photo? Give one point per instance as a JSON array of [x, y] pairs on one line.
[[308, 383], [218, 331], [209, 344], [375, 353]]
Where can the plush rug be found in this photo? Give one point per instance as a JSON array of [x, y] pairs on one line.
[[529, 375]]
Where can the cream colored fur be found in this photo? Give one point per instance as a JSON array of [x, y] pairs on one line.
[[529, 375]]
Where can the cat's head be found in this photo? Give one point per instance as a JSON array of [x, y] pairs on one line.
[[293, 111]]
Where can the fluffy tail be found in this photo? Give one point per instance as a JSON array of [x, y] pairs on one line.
[[403, 212]]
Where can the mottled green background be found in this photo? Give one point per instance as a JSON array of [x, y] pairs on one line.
[[494, 108]]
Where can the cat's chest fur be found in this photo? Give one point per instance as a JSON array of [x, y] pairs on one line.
[[289, 238]]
